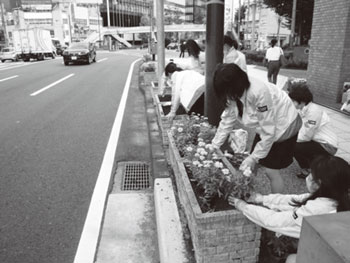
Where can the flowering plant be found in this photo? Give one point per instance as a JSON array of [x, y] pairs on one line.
[[206, 168]]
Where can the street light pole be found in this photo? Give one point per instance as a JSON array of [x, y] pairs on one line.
[[108, 25], [4, 24], [292, 30], [160, 38]]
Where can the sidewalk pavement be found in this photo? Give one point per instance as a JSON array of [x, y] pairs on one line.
[[130, 231]]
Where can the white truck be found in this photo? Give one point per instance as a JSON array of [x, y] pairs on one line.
[[33, 43]]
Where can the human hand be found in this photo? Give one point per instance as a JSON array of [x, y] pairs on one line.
[[235, 202], [255, 198], [248, 163]]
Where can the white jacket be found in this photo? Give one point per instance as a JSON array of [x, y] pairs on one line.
[[266, 108], [237, 57], [279, 216], [316, 126], [186, 86]]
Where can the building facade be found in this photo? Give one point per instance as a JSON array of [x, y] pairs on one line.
[[67, 20], [268, 25]]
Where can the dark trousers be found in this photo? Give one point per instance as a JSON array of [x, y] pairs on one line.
[[272, 71], [305, 152]]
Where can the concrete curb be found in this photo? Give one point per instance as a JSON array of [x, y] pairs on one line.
[[170, 236]]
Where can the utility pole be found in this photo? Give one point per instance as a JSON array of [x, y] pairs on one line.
[[160, 38], [213, 56], [99, 26], [252, 40], [4, 24], [108, 25], [239, 22], [292, 30]]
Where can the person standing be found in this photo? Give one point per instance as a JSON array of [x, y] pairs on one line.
[[266, 109], [182, 50], [232, 55], [316, 136], [272, 56]]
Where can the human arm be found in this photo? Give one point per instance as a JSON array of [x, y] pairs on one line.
[[162, 85], [311, 123], [228, 119], [175, 93], [266, 116], [277, 221], [280, 202]]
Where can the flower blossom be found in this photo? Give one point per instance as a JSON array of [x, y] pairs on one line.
[[225, 171], [201, 144], [247, 172], [218, 165], [201, 157], [196, 163], [189, 149], [180, 129]]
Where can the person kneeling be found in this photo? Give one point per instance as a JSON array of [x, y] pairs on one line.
[[328, 184], [316, 136]]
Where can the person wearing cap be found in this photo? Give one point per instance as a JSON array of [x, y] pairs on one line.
[[261, 106], [232, 55], [272, 56], [316, 136]]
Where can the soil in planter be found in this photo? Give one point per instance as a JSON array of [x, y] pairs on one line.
[[180, 110], [166, 97]]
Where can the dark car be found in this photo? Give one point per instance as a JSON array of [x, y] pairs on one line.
[[80, 52]]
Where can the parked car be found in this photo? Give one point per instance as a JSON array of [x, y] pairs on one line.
[[80, 52], [172, 46], [8, 53]]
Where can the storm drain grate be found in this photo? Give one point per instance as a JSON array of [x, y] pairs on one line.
[[136, 176]]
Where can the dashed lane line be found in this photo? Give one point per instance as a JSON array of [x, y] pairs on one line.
[[12, 77], [100, 60], [51, 85]]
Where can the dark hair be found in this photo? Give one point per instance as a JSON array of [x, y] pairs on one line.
[[333, 176], [193, 48], [230, 82], [300, 92], [171, 68], [230, 42], [273, 42]]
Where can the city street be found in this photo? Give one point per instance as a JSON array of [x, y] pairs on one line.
[[55, 123]]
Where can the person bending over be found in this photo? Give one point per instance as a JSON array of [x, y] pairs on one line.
[[261, 106], [187, 89]]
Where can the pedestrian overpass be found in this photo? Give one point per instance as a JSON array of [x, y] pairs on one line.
[[118, 32]]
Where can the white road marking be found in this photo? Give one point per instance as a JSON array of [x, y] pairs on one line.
[[98, 61], [15, 76], [51, 85], [93, 223]]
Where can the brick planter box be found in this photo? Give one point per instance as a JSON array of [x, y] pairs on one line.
[[220, 237]]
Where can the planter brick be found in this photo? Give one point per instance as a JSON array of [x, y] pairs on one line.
[[220, 237]]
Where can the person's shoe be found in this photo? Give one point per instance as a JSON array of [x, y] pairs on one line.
[[302, 176]]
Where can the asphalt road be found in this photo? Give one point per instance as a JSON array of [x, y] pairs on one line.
[[52, 142]]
